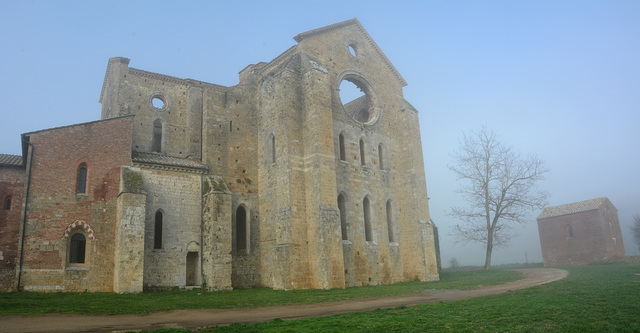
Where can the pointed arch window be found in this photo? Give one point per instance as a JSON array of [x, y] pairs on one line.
[[368, 234], [241, 229], [343, 154], [362, 152], [77, 246], [81, 180], [157, 231], [271, 149], [390, 222], [343, 216], [156, 145], [381, 156], [7, 203]]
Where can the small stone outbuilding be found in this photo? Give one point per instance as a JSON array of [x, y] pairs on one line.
[[580, 233]]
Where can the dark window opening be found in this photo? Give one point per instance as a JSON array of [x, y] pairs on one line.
[[390, 222], [241, 229], [157, 136], [381, 156], [368, 236], [362, 152], [157, 231], [77, 249], [343, 155], [81, 185], [7, 203], [271, 149], [570, 231], [343, 216]]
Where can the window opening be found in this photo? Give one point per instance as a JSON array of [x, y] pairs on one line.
[[343, 216], [570, 230], [353, 50], [158, 103], [77, 249], [271, 149], [7, 203], [230, 125], [343, 155], [157, 136], [157, 231], [81, 184], [381, 156], [362, 152], [192, 269], [390, 222], [241, 229], [367, 220]]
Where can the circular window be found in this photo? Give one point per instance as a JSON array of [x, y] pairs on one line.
[[357, 99], [158, 102], [353, 49]]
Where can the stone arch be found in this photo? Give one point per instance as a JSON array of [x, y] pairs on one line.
[[82, 224], [242, 230], [366, 109]]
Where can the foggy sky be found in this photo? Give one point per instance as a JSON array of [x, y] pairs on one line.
[[560, 79]]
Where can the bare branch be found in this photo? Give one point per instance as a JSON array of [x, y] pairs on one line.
[[499, 187]]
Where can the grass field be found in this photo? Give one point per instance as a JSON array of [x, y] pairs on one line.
[[110, 303], [599, 298]]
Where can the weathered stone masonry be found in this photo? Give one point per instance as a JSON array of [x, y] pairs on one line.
[[274, 182]]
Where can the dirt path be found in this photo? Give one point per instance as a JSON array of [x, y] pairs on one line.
[[202, 318]]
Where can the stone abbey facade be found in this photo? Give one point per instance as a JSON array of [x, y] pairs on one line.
[[580, 233], [273, 182]]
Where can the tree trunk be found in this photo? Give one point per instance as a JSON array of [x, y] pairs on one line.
[[487, 261]]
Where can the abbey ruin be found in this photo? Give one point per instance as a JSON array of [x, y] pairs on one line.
[[273, 182]]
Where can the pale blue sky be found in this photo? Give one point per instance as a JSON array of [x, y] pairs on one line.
[[557, 78]]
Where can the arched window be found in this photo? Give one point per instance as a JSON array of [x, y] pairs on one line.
[[271, 149], [77, 246], [570, 231], [7, 203], [368, 236], [381, 156], [390, 222], [241, 229], [343, 155], [157, 231], [343, 216], [362, 152], [156, 145], [81, 184]]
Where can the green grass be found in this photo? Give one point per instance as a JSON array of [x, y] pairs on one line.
[[600, 298], [110, 303]]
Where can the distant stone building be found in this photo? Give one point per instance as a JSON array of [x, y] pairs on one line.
[[275, 182], [580, 233]]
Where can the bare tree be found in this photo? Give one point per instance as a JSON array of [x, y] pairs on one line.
[[499, 187], [635, 228]]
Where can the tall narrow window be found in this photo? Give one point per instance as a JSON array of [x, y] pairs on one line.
[[241, 229], [381, 156], [390, 222], [77, 247], [230, 125], [271, 149], [343, 216], [343, 155], [157, 231], [368, 236], [81, 184], [7, 202], [570, 231], [157, 136], [362, 152]]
